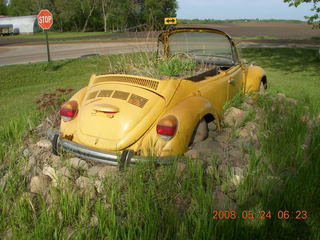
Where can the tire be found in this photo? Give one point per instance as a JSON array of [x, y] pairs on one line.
[[262, 88], [200, 133], [55, 144]]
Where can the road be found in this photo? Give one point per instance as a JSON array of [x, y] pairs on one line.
[[20, 54]]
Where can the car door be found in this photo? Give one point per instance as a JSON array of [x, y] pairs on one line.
[[234, 75]]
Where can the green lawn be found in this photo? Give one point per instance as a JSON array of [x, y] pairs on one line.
[[293, 71]]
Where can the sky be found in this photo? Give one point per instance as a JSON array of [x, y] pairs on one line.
[[240, 9]]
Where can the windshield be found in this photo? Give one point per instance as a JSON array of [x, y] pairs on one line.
[[207, 47]]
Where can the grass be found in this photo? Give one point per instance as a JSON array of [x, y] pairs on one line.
[[293, 71], [152, 203]]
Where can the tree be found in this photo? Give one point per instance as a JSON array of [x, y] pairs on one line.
[[315, 18], [156, 10], [87, 7], [105, 10], [20, 8], [3, 9]]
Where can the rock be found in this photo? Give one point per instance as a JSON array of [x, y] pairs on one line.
[[39, 184], [86, 186], [78, 163], [249, 101], [99, 186], [94, 221], [209, 147], [292, 101], [210, 170], [212, 126], [94, 171], [28, 196], [223, 170], [180, 169], [235, 153], [222, 137], [234, 116], [246, 106], [223, 202], [51, 173], [280, 96], [244, 133], [237, 176], [83, 182], [32, 162], [7, 235], [64, 172], [55, 161], [248, 131], [259, 115], [192, 153], [45, 143], [26, 152], [108, 171]]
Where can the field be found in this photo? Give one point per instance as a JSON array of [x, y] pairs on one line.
[[276, 30], [256, 30], [139, 205]]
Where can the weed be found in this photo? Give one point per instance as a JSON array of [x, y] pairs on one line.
[[175, 66], [50, 102]]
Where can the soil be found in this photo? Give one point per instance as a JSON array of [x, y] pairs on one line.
[[281, 30]]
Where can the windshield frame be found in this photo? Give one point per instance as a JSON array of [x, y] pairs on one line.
[[164, 39]]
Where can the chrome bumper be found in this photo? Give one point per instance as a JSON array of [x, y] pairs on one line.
[[122, 159]]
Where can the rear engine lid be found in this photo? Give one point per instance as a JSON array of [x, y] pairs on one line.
[[114, 116]]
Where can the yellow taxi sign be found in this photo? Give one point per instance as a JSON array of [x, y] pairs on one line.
[[170, 20]]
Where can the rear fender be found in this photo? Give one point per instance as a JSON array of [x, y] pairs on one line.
[[255, 74], [188, 113], [68, 128]]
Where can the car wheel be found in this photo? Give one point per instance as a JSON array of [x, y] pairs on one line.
[[262, 88], [200, 133], [55, 144]]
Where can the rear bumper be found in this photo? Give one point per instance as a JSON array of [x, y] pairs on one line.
[[121, 159]]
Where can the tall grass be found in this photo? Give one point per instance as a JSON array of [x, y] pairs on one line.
[[145, 202]]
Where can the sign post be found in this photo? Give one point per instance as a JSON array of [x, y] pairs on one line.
[[45, 21]]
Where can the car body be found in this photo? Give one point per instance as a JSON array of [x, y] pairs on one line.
[[121, 118]]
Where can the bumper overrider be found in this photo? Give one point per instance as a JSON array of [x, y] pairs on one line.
[[125, 157]]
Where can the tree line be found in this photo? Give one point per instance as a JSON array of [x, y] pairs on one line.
[[96, 15]]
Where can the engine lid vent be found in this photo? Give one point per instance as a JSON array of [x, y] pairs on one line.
[[92, 95], [137, 100], [105, 93], [137, 81], [121, 95]]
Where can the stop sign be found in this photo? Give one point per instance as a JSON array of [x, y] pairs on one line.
[[45, 19]]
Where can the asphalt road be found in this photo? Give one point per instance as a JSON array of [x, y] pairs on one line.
[[20, 54]]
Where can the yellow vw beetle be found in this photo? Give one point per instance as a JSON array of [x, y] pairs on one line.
[[118, 118]]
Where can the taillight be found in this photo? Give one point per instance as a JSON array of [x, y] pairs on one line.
[[69, 110], [167, 127]]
